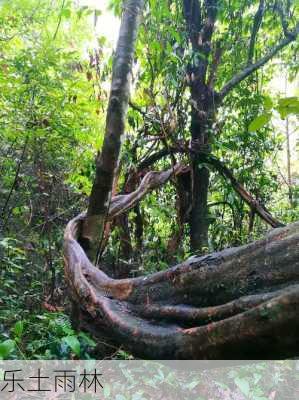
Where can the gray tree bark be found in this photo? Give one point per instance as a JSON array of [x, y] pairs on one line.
[[108, 158]]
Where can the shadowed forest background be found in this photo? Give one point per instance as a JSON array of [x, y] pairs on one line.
[[241, 172]]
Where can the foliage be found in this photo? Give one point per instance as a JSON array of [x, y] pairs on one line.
[[54, 72], [50, 118]]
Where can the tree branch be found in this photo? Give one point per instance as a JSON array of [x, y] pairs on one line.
[[254, 204], [255, 28], [122, 203], [59, 20], [251, 68], [283, 19], [152, 180], [137, 108], [149, 161], [215, 64]]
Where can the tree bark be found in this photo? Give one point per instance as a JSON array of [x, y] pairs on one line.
[[200, 32], [238, 303], [107, 159]]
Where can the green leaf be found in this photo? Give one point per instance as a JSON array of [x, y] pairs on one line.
[[6, 347], [287, 106], [268, 103], [288, 101], [66, 13], [81, 11], [243, 385], [73, 343], [87, 339], [102, 40], [18, 329], [259, 122]]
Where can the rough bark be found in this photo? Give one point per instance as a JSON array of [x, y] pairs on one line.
[[238, 303], [200, 32], [107, 159]]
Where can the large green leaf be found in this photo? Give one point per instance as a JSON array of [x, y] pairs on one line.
[[259, 122], [6, 347], [287, 106], [73, 343], [87, 339], [268, 103], [18, 329]]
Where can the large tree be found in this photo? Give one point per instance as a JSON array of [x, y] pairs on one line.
[[193, 55], [202, 18], [199, 54], [241, 302]]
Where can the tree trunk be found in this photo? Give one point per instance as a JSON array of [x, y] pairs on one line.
[[200, 27], [199, 221], [107, 160], [199, 218], [126, 249]]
